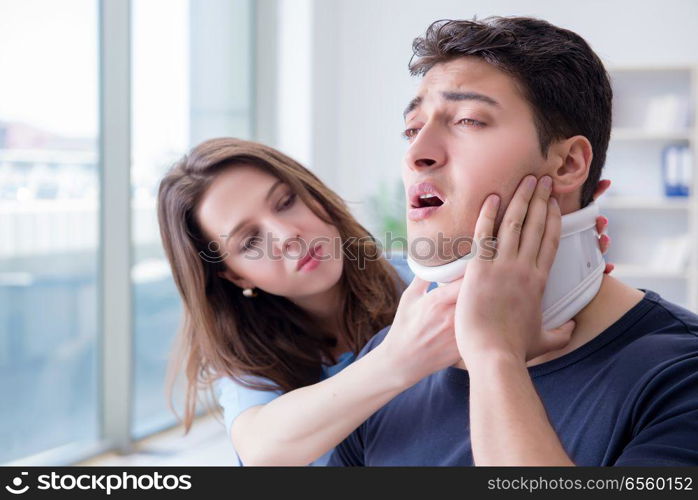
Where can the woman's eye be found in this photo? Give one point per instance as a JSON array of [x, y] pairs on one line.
[[410, 133], [288, 202], [249, 243], [471, 122]]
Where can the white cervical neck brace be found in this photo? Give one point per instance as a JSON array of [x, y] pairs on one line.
[[574, 279]]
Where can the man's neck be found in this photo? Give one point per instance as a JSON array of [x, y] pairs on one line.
[[613, 300], [607, 307]]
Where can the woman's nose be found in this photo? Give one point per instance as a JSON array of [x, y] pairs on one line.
[[293, 246], [286, 240]]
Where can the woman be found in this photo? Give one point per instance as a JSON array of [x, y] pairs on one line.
[[280, 293]]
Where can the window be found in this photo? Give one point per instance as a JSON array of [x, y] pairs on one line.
[[49, 229], [191, 81]]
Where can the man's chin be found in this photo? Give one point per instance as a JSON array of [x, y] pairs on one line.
[[424, 251], [433, 250], [434, 262]]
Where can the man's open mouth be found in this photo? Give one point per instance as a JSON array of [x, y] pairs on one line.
[[425, 194], [425, 199], [428, 200]]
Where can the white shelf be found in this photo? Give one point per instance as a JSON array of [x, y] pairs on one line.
[[638, 134], [637, 203], [639, 271], [650, 223]]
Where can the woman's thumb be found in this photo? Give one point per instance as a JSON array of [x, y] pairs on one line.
[[557, 338], [418, 286]]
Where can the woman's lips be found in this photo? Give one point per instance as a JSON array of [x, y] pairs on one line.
[[310, 262]]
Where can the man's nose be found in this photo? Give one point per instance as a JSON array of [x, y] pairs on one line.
[[428, 149]]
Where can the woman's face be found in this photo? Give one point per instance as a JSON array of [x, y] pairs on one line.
[[267, 236]]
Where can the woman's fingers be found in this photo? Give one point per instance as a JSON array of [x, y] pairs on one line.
[[601, 224], [512, 224], [557, 338], [604, 239], [448, 293], [601, 188], [551, 237], [417, 287], [534, 226], [604, 243]]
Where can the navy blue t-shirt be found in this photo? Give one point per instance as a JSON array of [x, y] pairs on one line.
[[627, 397]]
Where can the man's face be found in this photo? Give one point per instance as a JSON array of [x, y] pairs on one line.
[[471, 133]]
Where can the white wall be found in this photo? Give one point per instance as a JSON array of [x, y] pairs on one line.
[[293, 92], [360, 82]]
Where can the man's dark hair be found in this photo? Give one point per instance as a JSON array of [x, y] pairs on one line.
[[561, 77]]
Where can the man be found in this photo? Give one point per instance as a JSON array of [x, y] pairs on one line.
[[501, 100]]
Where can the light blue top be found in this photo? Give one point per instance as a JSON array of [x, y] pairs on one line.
[[235, 398]]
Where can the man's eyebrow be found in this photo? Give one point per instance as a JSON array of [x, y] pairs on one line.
[[468, 96], [411, 106], [240, 224], [452, 96]]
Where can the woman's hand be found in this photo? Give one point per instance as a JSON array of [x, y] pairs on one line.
[[421, 340], [602, 224], [498, 309], [301, 425]]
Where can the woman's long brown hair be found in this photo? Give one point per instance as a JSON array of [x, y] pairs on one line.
[[224, 333]]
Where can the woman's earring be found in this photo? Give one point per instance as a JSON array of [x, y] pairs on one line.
[[249, 292]]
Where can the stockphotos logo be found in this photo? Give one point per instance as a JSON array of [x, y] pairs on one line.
[[17, 487], [102, 482]]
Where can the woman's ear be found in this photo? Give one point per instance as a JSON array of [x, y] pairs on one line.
[[235, 279], [572, 159]]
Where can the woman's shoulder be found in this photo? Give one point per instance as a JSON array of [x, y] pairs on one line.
[[236, 388], [235, 397]]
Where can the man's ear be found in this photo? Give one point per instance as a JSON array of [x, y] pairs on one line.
[[235, 279], [570, 169]]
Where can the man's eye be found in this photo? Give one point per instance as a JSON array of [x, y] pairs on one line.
[[471, 122], [410, 133]]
